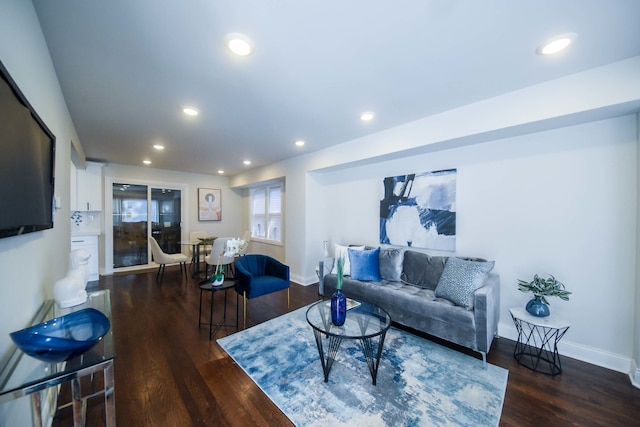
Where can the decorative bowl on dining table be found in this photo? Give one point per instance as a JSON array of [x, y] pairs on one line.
[[64, 337]]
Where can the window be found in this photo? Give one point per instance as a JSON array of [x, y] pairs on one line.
[[266, 213]]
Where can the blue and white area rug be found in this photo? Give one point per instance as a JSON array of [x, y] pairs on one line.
[[419, 383]]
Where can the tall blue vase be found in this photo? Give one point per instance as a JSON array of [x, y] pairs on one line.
[[338, 308], [536, 307]]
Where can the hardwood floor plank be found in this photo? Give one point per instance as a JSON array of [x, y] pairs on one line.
[[168, 372]]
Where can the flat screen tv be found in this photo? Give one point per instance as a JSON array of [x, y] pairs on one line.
[[27, 164]]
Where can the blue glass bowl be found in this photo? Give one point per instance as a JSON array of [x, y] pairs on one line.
[[64, 337]]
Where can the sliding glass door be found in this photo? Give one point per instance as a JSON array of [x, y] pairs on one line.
[[166, 218], [141, 212]]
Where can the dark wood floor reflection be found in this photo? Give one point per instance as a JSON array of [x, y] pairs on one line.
[[168, 372]]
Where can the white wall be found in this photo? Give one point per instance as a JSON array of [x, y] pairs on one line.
[[634, 372], [30, 264]]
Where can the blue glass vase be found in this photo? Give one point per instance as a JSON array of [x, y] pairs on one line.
[[338, 308], [536, 307]]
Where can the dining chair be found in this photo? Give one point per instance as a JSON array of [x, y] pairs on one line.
[[162, 258], [203, 249], [247, 238], [216, 258]]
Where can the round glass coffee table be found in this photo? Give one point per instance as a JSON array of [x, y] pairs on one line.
[[364, 322]]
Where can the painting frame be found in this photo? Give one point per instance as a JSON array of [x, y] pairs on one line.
[[209, 204], [419, 210]]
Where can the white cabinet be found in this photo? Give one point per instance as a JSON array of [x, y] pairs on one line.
[[89, 244], [89, 188]]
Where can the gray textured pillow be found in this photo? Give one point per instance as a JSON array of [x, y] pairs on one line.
[[460, 279], [391, 264], [422, 270]]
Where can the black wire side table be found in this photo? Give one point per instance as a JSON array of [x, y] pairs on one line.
[[206, 286], [538, 338]]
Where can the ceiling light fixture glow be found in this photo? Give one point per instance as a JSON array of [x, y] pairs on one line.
[[299, 143], [220, 171], [367, 116], [158, 146], [556, 44], [190, 111], [146, 162], [239, 44], [247, 162]]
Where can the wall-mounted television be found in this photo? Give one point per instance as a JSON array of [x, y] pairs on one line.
[[27, 164]]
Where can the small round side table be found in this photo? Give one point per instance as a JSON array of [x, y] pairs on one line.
[[206, 286], [538, 338]]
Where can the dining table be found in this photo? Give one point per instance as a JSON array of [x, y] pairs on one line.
[[198, 247]]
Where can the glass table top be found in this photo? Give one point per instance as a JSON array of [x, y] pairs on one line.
[[363, 321], [22, 373]]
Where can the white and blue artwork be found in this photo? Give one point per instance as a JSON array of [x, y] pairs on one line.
[[419, 210]]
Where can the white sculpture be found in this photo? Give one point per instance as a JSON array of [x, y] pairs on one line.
[[70, 290]]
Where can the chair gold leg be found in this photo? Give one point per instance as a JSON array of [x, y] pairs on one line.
[[244, 300]]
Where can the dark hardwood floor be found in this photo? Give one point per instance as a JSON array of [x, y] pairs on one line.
[[168, 372]]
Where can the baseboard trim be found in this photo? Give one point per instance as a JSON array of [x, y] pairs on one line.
[[634, 374], [304, 280], [580, 352]]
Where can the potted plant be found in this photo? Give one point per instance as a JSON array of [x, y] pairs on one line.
[[542, 288]]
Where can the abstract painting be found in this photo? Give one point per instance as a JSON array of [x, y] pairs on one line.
[[419, 210], [209, 204]]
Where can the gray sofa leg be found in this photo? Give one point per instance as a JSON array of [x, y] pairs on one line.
[[484, 359]]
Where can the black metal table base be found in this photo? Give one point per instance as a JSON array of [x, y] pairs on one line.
[[205, 286], [537, 347], [334, 345]]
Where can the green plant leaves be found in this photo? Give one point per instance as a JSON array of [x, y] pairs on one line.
[[549, 287]]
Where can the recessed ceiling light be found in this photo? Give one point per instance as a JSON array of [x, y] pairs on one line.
[[220, 171], [299, 143], [247, 162], [239, 44], [365, 117], [158, 146], [146, 162], [190, 111], [556, 44]]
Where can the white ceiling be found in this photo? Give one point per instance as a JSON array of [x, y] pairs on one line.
[[127, 67]]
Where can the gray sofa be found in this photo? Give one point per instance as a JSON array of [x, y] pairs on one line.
[[410, 289]]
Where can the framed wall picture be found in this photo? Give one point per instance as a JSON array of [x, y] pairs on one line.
[[209, 204], [419, 210]]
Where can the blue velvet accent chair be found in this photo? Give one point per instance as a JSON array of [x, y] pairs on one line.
[[258, 275]]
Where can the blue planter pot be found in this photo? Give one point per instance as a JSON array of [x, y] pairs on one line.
[[536, 307], [338, 308]]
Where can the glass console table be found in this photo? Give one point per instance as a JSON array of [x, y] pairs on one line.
[[24, 375]]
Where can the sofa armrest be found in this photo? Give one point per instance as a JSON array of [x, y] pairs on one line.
[[486, 307], [324, 267]]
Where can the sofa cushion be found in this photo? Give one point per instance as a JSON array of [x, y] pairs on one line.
[[365, 265], [423, 270], [460, 279], [343, 251], [391, 264]]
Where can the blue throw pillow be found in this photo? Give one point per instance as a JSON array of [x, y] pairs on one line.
[[365, 265], [460, 279]]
